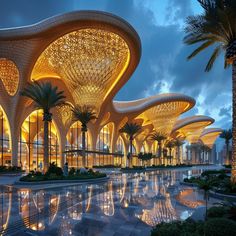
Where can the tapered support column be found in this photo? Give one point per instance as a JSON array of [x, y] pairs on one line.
[[14, 150]]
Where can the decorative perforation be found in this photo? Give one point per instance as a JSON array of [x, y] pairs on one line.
[[164, 116], [9, 75], [90, 61]]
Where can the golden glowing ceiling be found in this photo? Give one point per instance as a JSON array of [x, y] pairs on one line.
[[209, 136], [90, 62], [9, 75], [164, 116], [191, 128]]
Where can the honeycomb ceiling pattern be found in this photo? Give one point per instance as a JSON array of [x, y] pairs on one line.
[[164, 116], [9, 75], [192, 132], [210, 138], [65, 113], [90, 62]]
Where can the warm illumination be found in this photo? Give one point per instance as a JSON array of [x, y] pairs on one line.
[[9, 75], [90, 61], [163, 116]]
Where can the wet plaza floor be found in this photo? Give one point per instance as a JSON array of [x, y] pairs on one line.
[[128, 204]]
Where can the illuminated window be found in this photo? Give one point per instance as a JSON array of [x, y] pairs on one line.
[[5, 150], [30, 146]]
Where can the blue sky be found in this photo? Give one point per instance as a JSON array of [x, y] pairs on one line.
[[163, 66]]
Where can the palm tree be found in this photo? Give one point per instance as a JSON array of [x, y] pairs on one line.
[[131, 129], [159, 138], [206, 186], [227, 136], [84, 114], [216, 26], [45, 96], [178, 143], [170, 144]]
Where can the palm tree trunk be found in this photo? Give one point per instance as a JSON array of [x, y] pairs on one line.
[[233, 172], [206, 195], [227, 154], [131, 150], [45, 146], [159, 152], [83, 148]]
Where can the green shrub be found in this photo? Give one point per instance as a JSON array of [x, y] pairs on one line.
[[72, 171], [178, 228], [216, 212], [170, 229], [207, 173], [227, 166], [220, 227], [10, 169], [54, 169]]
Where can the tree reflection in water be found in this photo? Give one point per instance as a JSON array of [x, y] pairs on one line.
[[149, 197]]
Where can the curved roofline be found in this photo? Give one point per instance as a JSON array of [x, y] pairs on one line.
[[143, 104], [45, 25], [190, 120], [210, 130]]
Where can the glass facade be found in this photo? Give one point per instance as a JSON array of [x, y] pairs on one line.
[[5, 149], [74, 146], [30, 143], [103, 146]]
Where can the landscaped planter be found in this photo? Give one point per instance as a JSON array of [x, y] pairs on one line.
[[223, 196], [88, 180]]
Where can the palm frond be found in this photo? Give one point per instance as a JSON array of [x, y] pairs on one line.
[[157, 137], [200, 49], [217, 24], [212, 59], [44, 94], [131, 129], [84, 114]]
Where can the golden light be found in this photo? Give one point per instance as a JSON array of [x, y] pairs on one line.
[[90, 61], [9, 75]]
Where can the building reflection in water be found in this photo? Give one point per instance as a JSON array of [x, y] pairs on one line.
[[36, 207], [150, 197], [78, 201], [105, 201], [5, 208], [189, 197]]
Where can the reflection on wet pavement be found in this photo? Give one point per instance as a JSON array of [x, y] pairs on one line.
[[127, 204]]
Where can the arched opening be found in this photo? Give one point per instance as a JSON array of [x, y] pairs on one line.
[[104, 146], [5, 143], [30, 145], [74, 146], [119, 150]]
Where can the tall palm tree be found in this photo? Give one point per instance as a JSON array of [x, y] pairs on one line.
[[45, 96], [159, 138], [206, 186], [227, 136], [178, 143], [170, 145], [131, 129], [216, 26], [84, 114]]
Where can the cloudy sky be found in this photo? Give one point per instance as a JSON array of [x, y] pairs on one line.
[[163, 67]]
